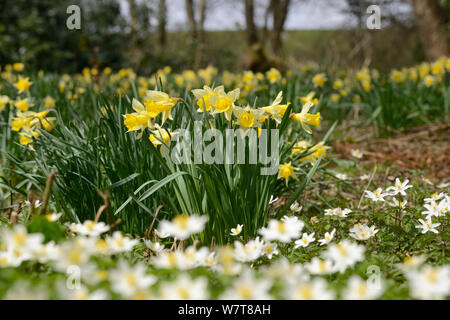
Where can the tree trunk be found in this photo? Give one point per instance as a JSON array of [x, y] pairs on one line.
[[162, 22], [135, 53], [252, 36], [200, 46], [280, 9], [431, 22], [191, 19]]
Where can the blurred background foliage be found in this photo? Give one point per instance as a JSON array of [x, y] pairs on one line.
[[34, 32]]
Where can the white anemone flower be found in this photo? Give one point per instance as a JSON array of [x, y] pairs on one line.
[[281, 230], [399, 187], [327, 237], [359, 289], [247, 287], [183, 226], [362, 231], [376, 195], [356, 153], [89, 228], [305, 240], [319, 266], [316, 289], [429, 282], [344, 254], [185, 288], [128, 280], [236, 231], [427, 225], [250, 251], [118, 243]]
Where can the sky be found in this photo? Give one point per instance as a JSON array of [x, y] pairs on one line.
[[303, 15]]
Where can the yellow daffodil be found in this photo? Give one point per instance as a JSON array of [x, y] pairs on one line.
[[273, 75], [224, 102], [23, 104], [437, 68], [309, 98], [138, 120], [300, 147], [27, 137], [157, 102], [49, 102], [286, 171], [429, 80], [337, 84], [276, 110], [18, 66], [335, 98], [318, 150], [305, 118], [319, 80], [23, 84], [18, 123], [203, 97], [397, 76], [366, 85], [248, 117], [4, 100], [160, 136]]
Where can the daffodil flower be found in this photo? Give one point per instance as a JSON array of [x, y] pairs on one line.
[[309, 98], [305, 118], [247, 117], [224, 102], [276, 110], [23, 84], [203, 97], [286, 171], [157, 102]]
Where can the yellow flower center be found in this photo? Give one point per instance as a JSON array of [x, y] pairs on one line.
[[322, 266], [305, 291], [204, 103], [286, 171], [247, 120], [90, 225], [281, 227], [342, 250], [183, 293], [362, 290], [74, 256], [119, 242], [130, 278], [245, 292], [181, 221], [20, 238], [223, 104], [431, 276]]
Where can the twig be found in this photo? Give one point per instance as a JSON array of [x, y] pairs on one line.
[[14, 216], [212, 243], [48, 191], [174, 245], [115, 224], [147, 234], [106, 205]]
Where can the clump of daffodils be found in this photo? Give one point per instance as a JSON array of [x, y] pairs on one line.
[[28, 124]]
